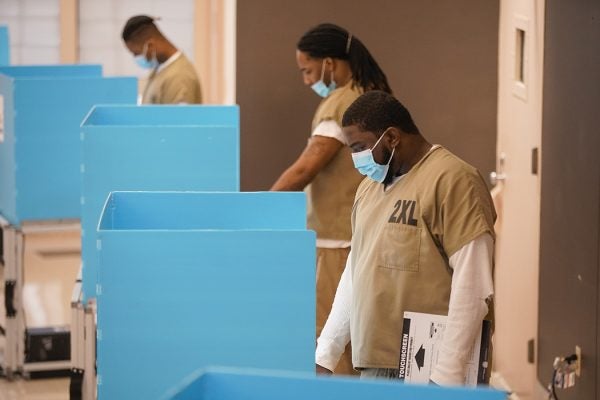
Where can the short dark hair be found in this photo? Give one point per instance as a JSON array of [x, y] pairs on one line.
[[329, 40], [375, 111], [135, 25]]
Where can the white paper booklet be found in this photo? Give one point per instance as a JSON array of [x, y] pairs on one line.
[[421, 338]]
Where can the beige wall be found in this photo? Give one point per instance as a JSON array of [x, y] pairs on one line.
[[69, 32], [440, 58], [215, 49], [517, 245]]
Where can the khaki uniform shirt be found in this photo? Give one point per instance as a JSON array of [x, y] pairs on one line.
[[402, 239], [331, 193], [176, 83]]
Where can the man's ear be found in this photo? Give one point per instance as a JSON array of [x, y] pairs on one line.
[[151, 43], [395, 136], [330, 62]]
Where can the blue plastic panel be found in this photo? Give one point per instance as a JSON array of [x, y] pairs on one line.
[[40, 156], [215, 291], [185, 210], [193, 148], [239, 384], [4, 46], [52, 71], [161, 116]]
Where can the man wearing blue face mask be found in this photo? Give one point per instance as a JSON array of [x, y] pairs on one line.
[[422, 241], [338, 68], [172, 79]]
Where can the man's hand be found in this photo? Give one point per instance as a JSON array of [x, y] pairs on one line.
[[317, 154], [322, 370]]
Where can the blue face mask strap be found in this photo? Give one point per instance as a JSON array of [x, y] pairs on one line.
[[379, 140], [145, 50], [391, 156], [380, 137], [323, 70], [323, 73]]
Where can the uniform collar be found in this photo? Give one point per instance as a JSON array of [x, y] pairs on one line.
[[170, 61]]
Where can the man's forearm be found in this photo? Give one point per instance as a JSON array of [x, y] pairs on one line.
[[472, 286], [336, 332]]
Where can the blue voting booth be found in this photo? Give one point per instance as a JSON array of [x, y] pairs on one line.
[[192, 279], [40, 136], [152, 148], [232, 384], [4, 46]]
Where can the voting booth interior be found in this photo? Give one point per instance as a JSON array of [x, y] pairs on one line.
[[193, 279], [40, 148], [152, 148], [41, 111], [238, 384]]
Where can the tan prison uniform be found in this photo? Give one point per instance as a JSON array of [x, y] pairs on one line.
[[330, 197], [396, 264], [176, 83]]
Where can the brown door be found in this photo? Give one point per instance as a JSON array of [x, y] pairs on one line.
[[570, 208]]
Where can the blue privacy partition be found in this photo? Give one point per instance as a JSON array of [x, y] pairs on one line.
[[240, 384], [4, 46], [152, 148], [52, 71], [190, 279], [40, 146]]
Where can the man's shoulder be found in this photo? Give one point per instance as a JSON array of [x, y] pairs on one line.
[[442, 162], [457, 181], [181, 66], [334, 106], [345, 95], [365, 186], [182, 59], [182, 63]]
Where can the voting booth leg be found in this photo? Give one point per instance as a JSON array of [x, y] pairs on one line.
[[30, 357], [89, 375], [77, 341], [13, 281], [83, 346], [19, 355]]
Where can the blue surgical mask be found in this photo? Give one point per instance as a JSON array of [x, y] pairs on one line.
[[143, 62], [366, 165], [320, 87]]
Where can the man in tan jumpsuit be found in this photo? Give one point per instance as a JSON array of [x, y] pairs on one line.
[[339, 68], [173, 79], [422, 241]]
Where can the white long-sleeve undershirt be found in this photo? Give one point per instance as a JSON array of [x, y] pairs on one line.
[[472, 286]]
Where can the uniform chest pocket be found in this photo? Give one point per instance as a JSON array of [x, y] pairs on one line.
[[400, 247]]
